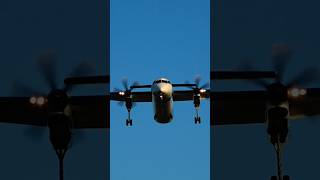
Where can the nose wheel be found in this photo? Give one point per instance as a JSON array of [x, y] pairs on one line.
[[278, 148], [129, 120], [197, 119]]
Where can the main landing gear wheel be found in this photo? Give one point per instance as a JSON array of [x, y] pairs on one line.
[[129, 122], [197, 120]]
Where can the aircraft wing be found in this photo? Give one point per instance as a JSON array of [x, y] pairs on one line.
[[88, 112], [308, 105], [238, 107], [187, 95], [136, 96], [249, 107]]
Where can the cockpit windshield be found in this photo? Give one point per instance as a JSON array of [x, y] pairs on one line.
[[161, 81]]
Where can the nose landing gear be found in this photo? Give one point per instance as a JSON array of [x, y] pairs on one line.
[[278, 131], [129, 107], [129, 120], [196, 102]]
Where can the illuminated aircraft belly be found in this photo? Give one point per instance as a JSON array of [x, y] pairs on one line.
[[162, 102]]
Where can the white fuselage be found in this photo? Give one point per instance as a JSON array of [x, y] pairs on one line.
[[162, 100]]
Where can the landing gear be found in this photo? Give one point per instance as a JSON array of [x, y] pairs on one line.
[[197, 119], [60, 137], [278, 131], [129, 120], [196, 102], [278, 148], [129, 107]]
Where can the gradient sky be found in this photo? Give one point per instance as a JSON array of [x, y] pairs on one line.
[[246, 30], [152, 39], [77, 31]]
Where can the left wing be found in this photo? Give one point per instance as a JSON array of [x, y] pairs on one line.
[[249, 107], [87, 112], [136, 96], [186, 95]]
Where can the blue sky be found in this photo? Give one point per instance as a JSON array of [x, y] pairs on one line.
[[246, 30], [77, 32], [152, 39]]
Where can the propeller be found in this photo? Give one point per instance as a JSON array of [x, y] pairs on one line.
[[281, 55], [197, 81], [47, 68], [126, 92]]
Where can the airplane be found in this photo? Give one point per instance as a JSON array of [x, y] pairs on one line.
[[275, 105], [57, 110], [162, 95]]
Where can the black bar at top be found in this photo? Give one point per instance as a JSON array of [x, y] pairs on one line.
[[88, 80], [242, 74]]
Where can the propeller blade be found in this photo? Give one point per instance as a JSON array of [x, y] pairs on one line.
[[205, 86], [19, 89], [125, 83], [82, 69], [280, 55], [135, 83], [197, 80], [306, 76], [117, 90], [47, 68]]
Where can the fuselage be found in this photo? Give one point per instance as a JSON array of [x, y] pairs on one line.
[[162, 91]]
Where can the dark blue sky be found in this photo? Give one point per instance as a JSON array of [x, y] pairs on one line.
[[246, 30], [76, 31]]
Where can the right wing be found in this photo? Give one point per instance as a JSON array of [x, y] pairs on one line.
[[248, 107], [238, 107], [136, 96]]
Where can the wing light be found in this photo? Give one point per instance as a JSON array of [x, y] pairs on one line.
[[297, 92], [202, 90], [38, 101]]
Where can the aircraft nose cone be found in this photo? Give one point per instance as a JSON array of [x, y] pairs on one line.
[[162, 89]]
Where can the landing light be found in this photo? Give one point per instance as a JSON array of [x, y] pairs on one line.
[[33, 100], [202, 90], [297, 92], [40, 101]]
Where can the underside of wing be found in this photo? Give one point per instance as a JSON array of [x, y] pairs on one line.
[[238, 107], [18, 110], [136, 96], [308, 105], [187, 95], [90, 111], [87, 112]]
